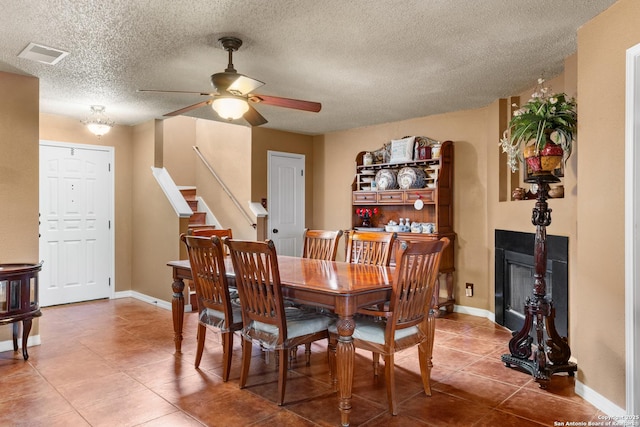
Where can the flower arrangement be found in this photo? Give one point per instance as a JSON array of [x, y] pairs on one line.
[[545, 118], [366, 212]]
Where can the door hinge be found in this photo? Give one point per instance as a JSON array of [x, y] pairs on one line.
[[109, 224], [301, 172], [109, 167], [109, 281]]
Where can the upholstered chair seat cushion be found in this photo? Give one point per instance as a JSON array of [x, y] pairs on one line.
[[371, 330]]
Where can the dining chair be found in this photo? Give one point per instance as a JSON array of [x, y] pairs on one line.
[[320, 244], [215, 307], [265, 317], [409, 319], [370, 247]]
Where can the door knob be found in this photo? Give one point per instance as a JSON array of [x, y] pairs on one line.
[[275, 230]]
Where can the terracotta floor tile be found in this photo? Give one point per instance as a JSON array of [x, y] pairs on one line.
[[93, 389], [285, 418], [492, 367], [127, 410], [502, 419], [113, 362], [441, 409], [477, 389], [175, 419], [547, 408], [43, 403]]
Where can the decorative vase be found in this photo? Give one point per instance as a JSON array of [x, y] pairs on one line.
[[366, 221], [547, 159]]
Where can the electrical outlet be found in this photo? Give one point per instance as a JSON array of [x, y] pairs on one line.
[[469, 289]]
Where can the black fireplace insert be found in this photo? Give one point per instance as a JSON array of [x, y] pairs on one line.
[[514, 264]]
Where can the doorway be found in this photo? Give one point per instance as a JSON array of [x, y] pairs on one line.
[[632, 236], [285, 192], [76, 222]]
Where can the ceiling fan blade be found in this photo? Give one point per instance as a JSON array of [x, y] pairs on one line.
[[253, 117], [176, 91], [244, 85], [296, 104], [189, 108]]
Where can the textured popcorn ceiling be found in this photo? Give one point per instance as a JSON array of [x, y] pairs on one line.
[[367, 62]]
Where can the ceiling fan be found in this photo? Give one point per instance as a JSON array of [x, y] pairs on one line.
[[234, 93]]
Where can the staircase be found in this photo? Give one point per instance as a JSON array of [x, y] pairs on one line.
[[198, 219]]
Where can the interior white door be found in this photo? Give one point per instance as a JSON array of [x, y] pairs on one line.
[[286, 201], [76, 196]]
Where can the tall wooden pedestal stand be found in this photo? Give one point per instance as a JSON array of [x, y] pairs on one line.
[[552, 355]]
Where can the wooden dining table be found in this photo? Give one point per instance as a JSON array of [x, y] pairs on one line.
[[337, 286]]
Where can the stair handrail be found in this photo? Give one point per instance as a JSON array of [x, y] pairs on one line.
[[225, 188]]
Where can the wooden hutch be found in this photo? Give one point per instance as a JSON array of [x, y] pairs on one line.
[[394, 204]]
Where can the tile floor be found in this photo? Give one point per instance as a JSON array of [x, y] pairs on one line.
[[112, 363]]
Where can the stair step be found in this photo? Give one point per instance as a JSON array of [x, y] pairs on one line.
[[198, 218], [188, 193], [193, 204]]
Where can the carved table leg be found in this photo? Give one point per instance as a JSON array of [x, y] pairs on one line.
[[15, 327], [26, 329], [345, 356], [177, 308]]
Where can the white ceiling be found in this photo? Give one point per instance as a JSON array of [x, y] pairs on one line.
[[367, 62]]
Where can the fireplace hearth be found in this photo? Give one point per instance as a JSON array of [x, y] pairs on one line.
[[515, 267]]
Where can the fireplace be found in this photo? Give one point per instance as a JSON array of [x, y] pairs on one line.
[[514, 264]]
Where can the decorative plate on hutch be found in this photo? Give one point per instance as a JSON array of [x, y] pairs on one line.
[[386, 179], [411, 178]]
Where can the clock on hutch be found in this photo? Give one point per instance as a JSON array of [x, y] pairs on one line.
[[409, 183]]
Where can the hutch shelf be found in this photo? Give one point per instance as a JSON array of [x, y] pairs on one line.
[[394, 204]]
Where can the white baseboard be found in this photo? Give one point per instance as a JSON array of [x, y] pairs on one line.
[[480, 312], [598, 400], [150, 300], [8, 345]]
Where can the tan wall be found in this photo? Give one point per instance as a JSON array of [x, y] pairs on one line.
[[178, 156], [18, 173], [600, 296], [156, 226], [263, 140], [227, 148], [65, 129]]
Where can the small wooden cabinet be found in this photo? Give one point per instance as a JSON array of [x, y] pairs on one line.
[[396, 203], [19, 299]]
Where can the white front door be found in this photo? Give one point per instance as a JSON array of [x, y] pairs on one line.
[[286, 201], [76, 200]]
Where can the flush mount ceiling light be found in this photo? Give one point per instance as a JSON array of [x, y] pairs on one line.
[[230, 107], [98, 122]]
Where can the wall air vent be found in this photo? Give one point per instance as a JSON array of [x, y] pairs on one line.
[[44, 54]]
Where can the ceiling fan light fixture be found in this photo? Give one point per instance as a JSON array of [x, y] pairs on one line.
[[98, 122], [230, 107]]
